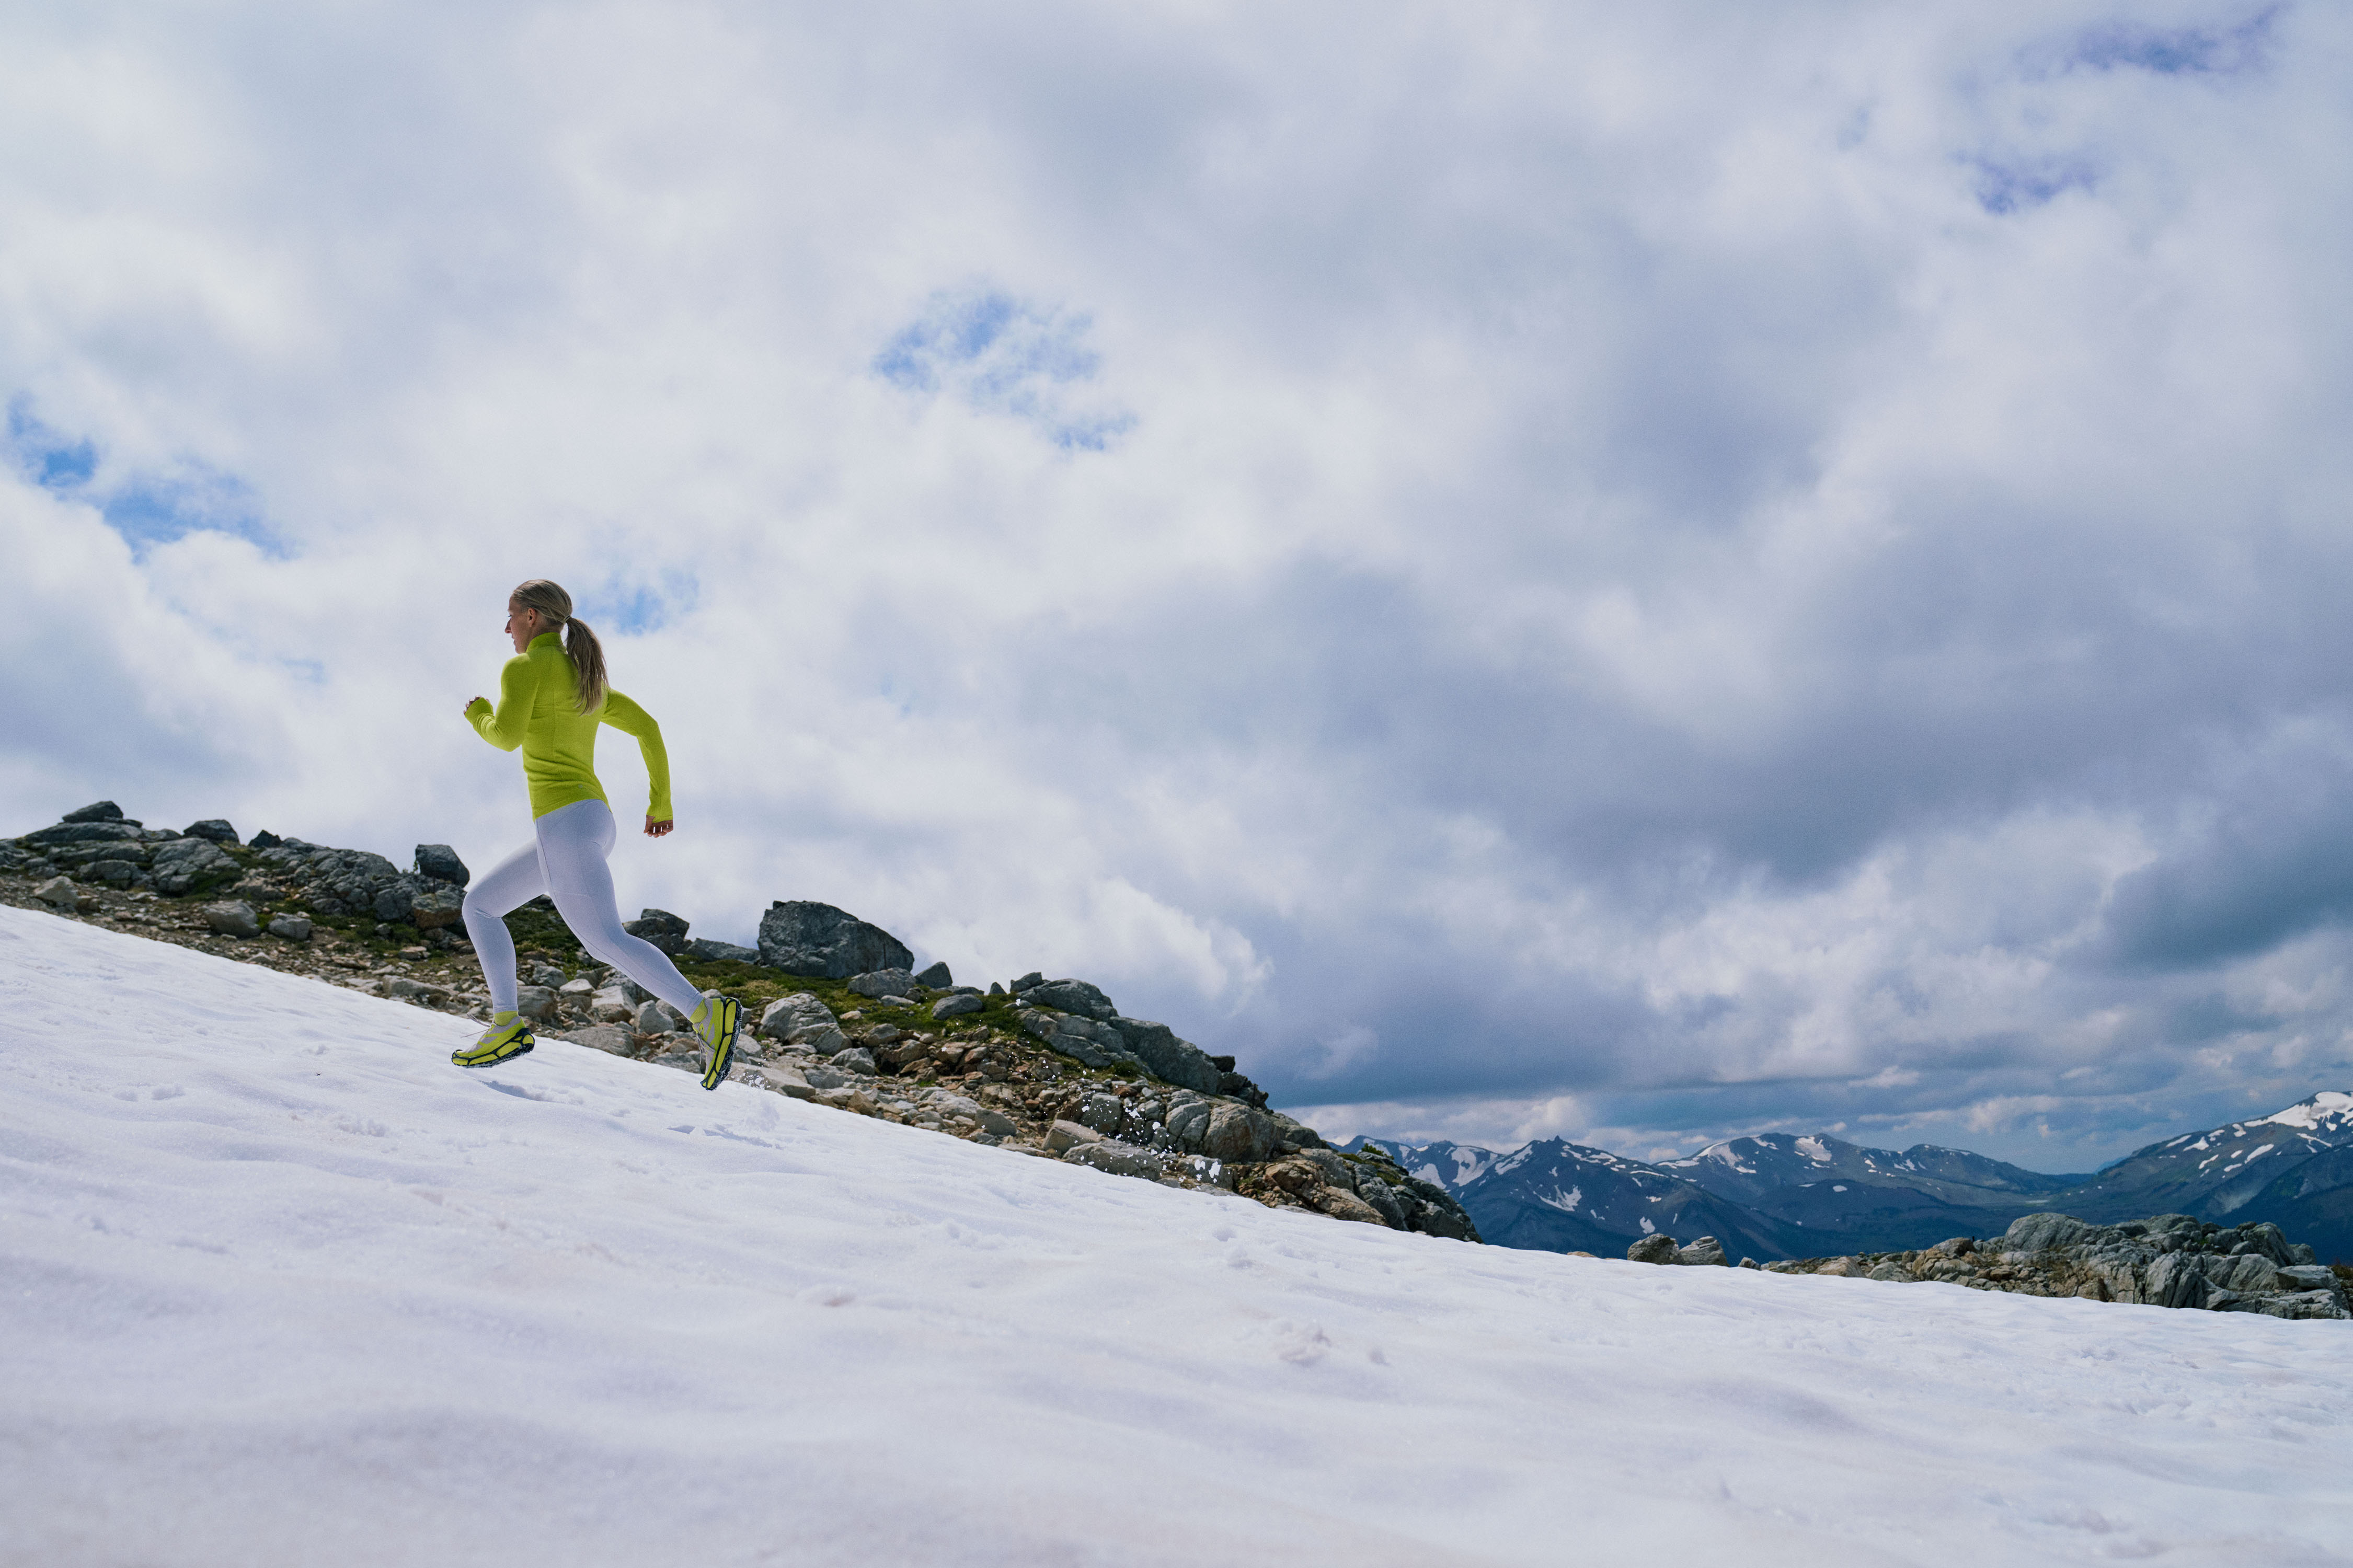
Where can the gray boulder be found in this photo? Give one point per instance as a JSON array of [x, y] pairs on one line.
[[856, 1059], [113, 873], [232, 918], [214, 828], [437, 861], [535, 1002], [1382, 1198], [880, 983], [1117, 1159], [1166, 1057], [656, 1018], [60, 894], [97, 811], [703, 950], [1238, 1135], [1096, 1044], [292, 927], [1705, 1252], [800, 1019], [2039, 1231], [955, 1006], [434, 903], [1106, 1113], [1072, 996], [1063, 1136], [659, 927], [608, 1038], [1659, 1248], [802, 937], [937, 976]]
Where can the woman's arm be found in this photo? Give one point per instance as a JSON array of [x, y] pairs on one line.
[[631, 720], [503, 727]]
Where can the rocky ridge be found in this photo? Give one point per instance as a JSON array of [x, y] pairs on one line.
[[1044, 1067], [2166, 1261]]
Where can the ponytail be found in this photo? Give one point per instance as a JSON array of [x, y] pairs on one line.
[[587, 663], [580, 644]]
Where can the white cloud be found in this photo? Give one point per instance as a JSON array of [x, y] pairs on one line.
[[1637, 579]]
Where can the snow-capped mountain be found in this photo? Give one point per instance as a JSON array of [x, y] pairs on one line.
[[1779, 1194], [1565, 1197], [1444, 1165]]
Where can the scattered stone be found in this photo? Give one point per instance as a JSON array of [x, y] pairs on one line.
[[703, 950], [606, 1037], [1072, 996], [611, 1004], [1705, 1252], [785, 1080], [800, 1019], [856, 1059], [994, 989], [213, 828], [292, 927], [535, 1002], [113, 873], [437, 861], [232, 918], [1164, 1056], [1658, 1248], [435, 905], [882, 984], [957, 1006], [937, 976], [659, 1017], [1063, 1135], [1106, 1113], [400, 988], [801, 937], [60, 893], [97, 811]]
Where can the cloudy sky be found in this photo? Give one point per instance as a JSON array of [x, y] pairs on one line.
[[1631, 572]]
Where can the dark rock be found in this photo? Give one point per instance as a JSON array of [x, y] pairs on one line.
[[535, 1002], [1033, 978], [703, 950], [957, 1006], [1383, 1199], [937, 976], [214, 828], [1164, 1056], [97, 811], [291, 928], [1223, 1064], [1238, 1135], [1106, 1113], [1659, 1248], [802, 937], [856, 1059], [1118, 1158], [659, 927], [1241, 1087], [1706, 1251], [434, 903], [181, 865], [437, 861], [265, 840], [83, 833], [2035, 1232], [114, 873], [994, 989]]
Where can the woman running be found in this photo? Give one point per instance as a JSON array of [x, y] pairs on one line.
[[551, 697]]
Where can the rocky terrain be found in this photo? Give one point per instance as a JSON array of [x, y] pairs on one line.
[[2166, 1261], [1046, 1067]]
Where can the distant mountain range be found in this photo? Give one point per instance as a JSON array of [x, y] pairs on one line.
[[1780, 1194]]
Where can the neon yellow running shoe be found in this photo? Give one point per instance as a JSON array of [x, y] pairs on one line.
[[507, 1037], [716, 1022]]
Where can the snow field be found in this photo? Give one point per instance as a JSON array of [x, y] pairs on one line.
[[279, 1285]]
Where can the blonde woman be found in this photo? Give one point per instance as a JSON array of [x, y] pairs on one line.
[[551, 697]]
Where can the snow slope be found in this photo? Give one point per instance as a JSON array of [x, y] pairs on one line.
[[279, 1286]]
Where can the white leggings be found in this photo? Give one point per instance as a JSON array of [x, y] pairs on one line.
[[568, 864]]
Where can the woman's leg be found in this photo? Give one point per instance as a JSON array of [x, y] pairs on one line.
[[509, 885], [572, 843]]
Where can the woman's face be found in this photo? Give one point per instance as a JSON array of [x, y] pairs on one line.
[[522, 624]]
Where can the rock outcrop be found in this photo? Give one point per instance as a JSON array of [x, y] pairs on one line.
[[2166, 1261], [1049, 1067]]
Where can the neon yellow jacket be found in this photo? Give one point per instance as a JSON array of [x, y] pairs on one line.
[[539, 710]]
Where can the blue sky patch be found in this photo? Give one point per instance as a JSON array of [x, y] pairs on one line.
[[2005, 188], [46, 457], [1004, 356], [2176, 51], [631, 609], [145, 508]]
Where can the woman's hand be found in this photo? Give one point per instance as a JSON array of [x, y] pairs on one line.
[[468, 712], [656, 829]]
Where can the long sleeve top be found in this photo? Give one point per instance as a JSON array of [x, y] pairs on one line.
[[538, 710]]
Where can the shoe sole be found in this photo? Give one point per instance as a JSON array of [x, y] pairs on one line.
[[521, 1047], [722, 1055]]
